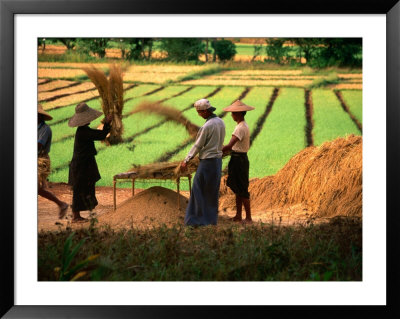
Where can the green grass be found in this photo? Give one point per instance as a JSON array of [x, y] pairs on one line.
[[282, 135], [330, 120], [222, 99], [353, 100], [327, 252]]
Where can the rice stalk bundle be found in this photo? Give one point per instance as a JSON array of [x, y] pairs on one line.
[[111, 92], [169, 113], [116, 96], [44, 169], [99, 79]]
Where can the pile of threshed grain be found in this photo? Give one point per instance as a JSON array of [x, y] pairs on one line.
[[111, 92], [152, 207], [327, 180]]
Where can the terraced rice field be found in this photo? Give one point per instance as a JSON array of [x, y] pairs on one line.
[[278, 124]]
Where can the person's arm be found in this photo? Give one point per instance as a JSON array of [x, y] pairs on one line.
[[98, 135], [198, 145], [232, 142]]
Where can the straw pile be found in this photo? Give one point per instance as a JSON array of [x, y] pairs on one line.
[[325, 179], [169, 113], [43, 170], [111, 93]]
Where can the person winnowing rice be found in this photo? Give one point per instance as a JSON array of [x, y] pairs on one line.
[[203, 202]]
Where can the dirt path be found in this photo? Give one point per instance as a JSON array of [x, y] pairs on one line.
[[48, 211]]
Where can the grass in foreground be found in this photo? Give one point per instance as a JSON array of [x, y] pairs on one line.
[[262, 252]]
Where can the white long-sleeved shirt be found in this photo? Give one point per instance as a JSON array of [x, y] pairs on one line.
[[209, 140]]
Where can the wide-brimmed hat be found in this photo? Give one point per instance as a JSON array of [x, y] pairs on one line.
[[83, 115], [46, 116], [238, 106], [204, 104]]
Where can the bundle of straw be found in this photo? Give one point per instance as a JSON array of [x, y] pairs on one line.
[[170, 170], [116, 96], [169, 113], [43, 170], [111, 92]]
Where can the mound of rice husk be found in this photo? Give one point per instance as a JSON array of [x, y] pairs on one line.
[[153, 207], [111, 92], [169, 113], [325, 179]]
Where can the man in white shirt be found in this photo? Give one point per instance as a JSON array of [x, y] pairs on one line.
[[203, 203], [238, 167]]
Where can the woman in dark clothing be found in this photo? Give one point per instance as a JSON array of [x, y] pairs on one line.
[[83, 170]]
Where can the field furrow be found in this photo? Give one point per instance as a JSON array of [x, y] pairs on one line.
[[309, 118], [330, 121], [347, 110], [353, 100]]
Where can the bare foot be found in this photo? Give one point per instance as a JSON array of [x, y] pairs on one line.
[[236, 219], [79, 220], [63, 211]]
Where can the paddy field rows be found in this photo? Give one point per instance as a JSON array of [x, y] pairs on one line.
[[278, 123]]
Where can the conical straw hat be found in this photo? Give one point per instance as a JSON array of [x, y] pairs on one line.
[[83, 115], [238, 106], [46, 116]]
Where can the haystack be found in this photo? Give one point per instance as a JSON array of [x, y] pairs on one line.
[[111, 92], [325, 179], [153, 207]]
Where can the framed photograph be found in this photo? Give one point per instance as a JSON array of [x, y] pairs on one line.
[[24, 25]]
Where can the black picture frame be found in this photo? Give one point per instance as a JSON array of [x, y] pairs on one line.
[[8, 10]]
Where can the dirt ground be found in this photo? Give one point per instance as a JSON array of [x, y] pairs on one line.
[[48, 211]]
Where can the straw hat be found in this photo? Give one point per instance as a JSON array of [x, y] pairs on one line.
[[204, 104], [238, 106], [83, 115], [46, 116]]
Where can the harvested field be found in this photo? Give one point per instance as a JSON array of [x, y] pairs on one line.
[[59, 73], [280, 83], [262, 72], [40, 81], [164, 68], [350, 75], [347, 86], [152, 77], [53, 85], [85, 86], [71, 65], [74, 98]]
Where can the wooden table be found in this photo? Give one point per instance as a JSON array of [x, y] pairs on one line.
[[122, 177]]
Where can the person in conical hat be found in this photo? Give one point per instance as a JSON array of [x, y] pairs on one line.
[[44, 143], [203, 202], [238, 167], [83, 170]]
